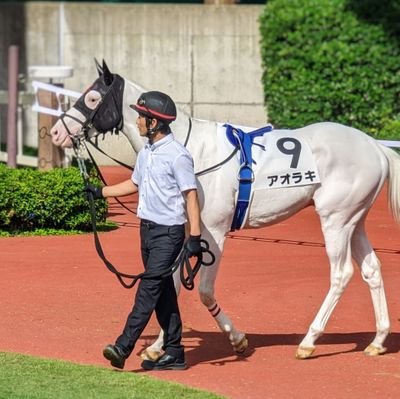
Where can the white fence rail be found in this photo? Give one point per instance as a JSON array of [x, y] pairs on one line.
[[62, 95], [389, 143]]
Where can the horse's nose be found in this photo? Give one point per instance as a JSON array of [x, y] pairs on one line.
[[55, 134], [53, 131]]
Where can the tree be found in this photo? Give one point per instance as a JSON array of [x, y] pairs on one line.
[[330, 60]]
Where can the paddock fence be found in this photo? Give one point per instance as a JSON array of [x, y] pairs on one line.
[[28, 102]]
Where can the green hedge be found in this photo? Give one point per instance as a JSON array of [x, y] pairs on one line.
[[32, 199], [332, 60]]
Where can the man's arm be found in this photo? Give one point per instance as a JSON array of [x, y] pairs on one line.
[[193, 212], [120, 189]]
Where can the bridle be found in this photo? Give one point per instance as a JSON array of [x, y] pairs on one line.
[[117, 85]]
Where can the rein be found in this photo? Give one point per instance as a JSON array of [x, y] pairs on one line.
[[188, 272], [214, 167], [101, 175]]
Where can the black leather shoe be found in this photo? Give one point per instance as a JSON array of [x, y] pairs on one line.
[[165, 362], [115, 355]]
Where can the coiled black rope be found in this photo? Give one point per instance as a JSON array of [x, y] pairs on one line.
[[187, 271]]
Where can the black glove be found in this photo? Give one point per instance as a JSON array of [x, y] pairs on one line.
[[193, 246], [97, 192]]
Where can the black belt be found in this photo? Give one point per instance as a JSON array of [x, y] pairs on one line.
[[151, 225], [148, 223]]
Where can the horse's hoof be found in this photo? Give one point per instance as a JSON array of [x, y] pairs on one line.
[[148, 354], [304, 353], [241, 346], [372, 350]]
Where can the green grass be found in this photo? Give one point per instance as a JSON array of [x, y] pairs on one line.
[[26, 377], [41, 232]]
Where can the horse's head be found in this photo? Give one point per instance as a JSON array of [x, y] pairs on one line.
[[100, 108]]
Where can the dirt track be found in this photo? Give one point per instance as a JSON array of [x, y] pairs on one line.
[[58, 301]]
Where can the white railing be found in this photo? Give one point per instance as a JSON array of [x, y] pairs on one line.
[[74, 94], [389, 143], [61, 95]]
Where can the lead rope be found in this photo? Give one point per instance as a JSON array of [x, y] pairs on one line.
[[182, 261]]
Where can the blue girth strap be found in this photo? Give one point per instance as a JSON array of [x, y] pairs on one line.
[[244, 141]]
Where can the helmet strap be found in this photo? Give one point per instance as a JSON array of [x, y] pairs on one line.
[[152, 130]]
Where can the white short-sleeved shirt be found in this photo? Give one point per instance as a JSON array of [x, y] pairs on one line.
[[163, 171]]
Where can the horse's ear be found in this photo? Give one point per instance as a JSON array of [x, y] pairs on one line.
[[98, 67], [108, 77]]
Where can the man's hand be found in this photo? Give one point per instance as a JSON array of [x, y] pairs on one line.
[[97, 192], [193, 246]]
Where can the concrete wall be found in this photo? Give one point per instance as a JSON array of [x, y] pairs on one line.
[[205, 56]]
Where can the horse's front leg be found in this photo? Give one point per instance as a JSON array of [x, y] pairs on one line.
[[237, 339], [208, 276]]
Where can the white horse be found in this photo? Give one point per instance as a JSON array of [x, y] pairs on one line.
[[352, 168]]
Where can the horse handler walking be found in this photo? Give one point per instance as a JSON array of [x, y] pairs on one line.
[[164, 177]]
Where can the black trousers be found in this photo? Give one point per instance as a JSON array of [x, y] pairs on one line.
[[160, 245]]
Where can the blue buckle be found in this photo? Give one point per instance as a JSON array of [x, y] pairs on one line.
[[242, 172]]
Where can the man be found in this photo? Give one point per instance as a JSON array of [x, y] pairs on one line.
[[164, 177]]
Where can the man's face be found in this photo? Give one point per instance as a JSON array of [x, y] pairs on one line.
[[141, 125]]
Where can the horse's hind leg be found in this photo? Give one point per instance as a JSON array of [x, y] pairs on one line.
[[370, 267], [337, 240]]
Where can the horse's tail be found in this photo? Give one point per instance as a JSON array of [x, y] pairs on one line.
[[393, 181]]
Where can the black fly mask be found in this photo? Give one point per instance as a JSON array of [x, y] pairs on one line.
[[107, 116]]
